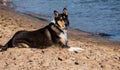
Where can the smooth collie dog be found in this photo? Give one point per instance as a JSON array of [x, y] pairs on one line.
[[54, 33]]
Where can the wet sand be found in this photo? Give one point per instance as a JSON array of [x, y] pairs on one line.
[[98, 54]]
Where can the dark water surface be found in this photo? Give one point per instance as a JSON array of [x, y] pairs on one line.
[[96, 16]]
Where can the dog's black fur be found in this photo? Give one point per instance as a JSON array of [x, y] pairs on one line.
[[40, 38], [65, 17]]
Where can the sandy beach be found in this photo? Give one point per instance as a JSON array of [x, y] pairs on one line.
[[98, 54]]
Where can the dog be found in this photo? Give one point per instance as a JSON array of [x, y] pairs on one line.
[[52, 34], [55, 33], [64, 35]]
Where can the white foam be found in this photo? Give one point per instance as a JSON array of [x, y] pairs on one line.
[[75, 49]]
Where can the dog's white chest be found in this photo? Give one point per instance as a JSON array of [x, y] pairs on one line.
[[64, 36]]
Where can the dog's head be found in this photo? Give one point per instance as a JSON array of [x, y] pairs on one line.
[[61, 19]]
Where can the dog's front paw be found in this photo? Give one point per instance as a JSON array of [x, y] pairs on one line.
[[75, 49]]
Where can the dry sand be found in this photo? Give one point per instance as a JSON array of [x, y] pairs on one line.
[[98, 53]]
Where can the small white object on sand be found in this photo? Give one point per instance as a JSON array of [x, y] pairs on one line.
[[75, 49]]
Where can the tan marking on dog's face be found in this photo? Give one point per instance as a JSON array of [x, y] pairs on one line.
[[61, 23]]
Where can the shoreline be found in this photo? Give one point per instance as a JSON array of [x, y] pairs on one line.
[[99, 53], [45, 22], [12, 6]]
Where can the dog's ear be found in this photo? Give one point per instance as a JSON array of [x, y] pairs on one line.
[[56, 13], [65, 11]]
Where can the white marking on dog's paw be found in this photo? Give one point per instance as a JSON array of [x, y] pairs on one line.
[[75, 49]]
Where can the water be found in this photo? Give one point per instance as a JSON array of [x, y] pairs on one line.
[[96, 16]]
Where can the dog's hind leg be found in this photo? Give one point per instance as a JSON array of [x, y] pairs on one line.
[[22, 44], [10, 43]]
